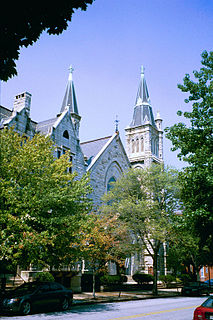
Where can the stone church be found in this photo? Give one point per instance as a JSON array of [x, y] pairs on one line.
[[105, 157]]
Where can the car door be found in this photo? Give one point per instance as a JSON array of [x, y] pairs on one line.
[[43, 298], [56, 292]]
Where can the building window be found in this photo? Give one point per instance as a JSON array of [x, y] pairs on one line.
[[58, 153], [66, 134], [142, 144], [137, 145], [110, 183], [70, 168], [133, 145]]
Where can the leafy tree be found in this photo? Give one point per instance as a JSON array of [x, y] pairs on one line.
[[184, 248], [195, 145], [102, 241], [146, 200], [22, 24], [42, 205]]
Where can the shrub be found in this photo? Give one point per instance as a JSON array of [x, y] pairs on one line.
[[44, 276], [141, 278], [167, 279], [185, 278], [110, 280]]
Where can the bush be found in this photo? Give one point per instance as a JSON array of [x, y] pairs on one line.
[[142, 278], [185, 278], [167, 279], [44, 276], [110, 280]]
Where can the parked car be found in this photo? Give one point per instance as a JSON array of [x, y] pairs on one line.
[[210, 281], [205, 311], [195, 289], [36, 296]]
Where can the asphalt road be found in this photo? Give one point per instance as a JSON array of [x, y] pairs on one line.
[[179, 308]]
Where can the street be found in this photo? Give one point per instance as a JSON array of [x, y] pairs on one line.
[[178, 308]]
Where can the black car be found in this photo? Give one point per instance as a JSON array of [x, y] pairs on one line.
[[195, 289], [36, 296]]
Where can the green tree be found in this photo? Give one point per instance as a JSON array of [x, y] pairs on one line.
[[42, 205], [103, 241], [23, 22], [146, 200], [195, 145]]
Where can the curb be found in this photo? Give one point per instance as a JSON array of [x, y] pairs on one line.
[[121, 299]]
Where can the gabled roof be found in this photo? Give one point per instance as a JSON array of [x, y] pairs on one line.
[[46, 126], [70, 100], [92, 148]]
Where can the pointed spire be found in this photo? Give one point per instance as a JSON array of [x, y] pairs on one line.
[[142, 94], [69, 100]]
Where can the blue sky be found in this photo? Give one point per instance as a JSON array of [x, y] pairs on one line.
[[107, 45]]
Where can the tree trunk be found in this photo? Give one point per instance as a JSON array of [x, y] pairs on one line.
[[93, 283], [155, 272]]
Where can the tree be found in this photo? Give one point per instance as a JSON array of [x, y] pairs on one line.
[[42, 205], [195, 145], [146, 200], [23, 23], [102, 241]]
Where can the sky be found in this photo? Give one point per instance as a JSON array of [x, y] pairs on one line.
[[106, 45]]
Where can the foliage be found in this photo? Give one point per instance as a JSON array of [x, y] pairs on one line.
[[101, 242], [113, 279], [44, 276], [141, 278], [184, 248], [167, 279], [145, 200], [42, 205], [22, 24], [195, 145]]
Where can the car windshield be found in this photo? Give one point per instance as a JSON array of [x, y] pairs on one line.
[[26, 287], [208, 303]]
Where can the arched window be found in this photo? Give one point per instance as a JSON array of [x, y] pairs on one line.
[[110, 183], [133, 145], [66, 134], [142, 144], [137, 145]]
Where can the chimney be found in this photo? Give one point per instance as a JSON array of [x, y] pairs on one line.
[[21, 101]]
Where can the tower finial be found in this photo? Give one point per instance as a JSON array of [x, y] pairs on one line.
[[70, 72], [116, 124], [142, 71]]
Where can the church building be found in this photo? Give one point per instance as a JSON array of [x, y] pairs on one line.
[[105, 157]]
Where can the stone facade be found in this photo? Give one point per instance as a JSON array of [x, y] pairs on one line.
[[104, 158]]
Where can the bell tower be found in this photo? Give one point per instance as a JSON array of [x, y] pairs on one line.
[[144, 135]]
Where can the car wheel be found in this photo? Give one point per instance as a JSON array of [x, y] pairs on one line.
[[26, 308], [65, 303]]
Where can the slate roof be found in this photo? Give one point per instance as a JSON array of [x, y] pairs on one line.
[[70, 100], [45, 126], [92, 148], [142, 111]]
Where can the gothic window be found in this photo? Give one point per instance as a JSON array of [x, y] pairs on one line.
[[70, 168], [142, 144], [66, 134], [110, 184], [133, 145], [137, 145]]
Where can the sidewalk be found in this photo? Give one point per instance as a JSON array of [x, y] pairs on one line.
[[87, 297]]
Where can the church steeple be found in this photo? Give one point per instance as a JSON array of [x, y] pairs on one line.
[[142, 94], [70, 100], [144, 136], [142, 110]]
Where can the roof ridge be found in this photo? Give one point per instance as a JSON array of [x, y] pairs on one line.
[[107, 137]]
